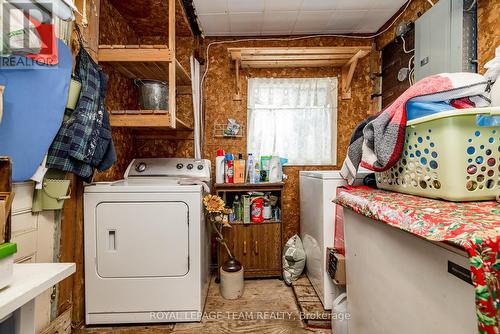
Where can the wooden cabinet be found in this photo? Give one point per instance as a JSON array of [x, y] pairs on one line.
[[257, 246]]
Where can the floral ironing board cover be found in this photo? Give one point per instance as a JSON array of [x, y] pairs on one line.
[[474, 226]]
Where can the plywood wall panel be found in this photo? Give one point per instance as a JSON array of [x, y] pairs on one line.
[[488, 21], [122, 93], [163, 147], [183, 50], [219, 106], [149, 19], [113, 27]]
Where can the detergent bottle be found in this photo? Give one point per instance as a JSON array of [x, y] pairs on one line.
[[219, 167]]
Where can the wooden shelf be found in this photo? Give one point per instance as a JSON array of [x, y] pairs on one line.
[[137, 61], [148, 62], [295, 57], [249, 186], [151, 62], [141, 119], [264, 222], [277, 57]]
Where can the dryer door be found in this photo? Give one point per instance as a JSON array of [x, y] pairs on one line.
[[142, 239]]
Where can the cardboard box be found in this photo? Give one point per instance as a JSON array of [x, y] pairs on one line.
[[5, 207], [246, 209], [339, 277]]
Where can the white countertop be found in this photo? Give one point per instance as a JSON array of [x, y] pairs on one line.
[[29, 281]]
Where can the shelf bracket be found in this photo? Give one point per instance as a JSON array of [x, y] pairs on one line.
[[348, 73]]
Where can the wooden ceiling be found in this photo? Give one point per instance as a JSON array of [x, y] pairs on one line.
[[150, 17]]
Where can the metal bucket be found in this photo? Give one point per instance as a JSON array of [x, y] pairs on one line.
[[153, 94]]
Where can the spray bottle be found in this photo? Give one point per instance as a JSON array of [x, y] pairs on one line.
[[229, 168]]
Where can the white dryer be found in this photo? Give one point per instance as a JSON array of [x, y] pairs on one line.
[[147, 248]]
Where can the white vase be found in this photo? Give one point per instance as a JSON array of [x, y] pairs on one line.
[[232, 284]]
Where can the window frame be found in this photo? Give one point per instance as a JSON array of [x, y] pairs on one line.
[[334, 130]]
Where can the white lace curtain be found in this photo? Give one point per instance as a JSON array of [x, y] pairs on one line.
[[293, 118]]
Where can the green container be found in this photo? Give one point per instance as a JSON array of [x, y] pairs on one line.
[[7, 249], [448, 156]]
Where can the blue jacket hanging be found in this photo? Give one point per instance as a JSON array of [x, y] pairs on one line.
[[84, 140]]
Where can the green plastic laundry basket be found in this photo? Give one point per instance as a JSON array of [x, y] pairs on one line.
[[448, 156]]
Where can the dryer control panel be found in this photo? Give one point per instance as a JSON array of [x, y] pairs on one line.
[[169, 167]]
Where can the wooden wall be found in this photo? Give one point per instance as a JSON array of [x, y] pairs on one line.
[[122, 93], [219, 106], [488, 21], [219, 88]]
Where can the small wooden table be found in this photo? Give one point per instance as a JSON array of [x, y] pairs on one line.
[[29, 281]]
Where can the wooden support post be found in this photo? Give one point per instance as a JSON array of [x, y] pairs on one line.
[[237, 95], [172, 64]]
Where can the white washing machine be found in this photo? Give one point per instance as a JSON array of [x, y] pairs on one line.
[[317, 212], [147, 248]]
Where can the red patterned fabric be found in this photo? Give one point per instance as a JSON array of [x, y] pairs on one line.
[[474, 226]]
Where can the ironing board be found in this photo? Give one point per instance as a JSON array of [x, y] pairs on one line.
[[34, 102]]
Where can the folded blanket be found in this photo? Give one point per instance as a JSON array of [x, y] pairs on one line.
[[377, 143]]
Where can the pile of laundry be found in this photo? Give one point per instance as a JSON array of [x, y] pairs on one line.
[[377, 142]]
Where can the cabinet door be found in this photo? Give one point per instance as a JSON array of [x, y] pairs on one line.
[[239, 239], [266, 247], [256, 246]]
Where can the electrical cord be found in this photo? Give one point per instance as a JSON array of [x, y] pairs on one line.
[[411, 70], [404, 46], [472, 5]]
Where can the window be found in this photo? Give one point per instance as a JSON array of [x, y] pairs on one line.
[[293, 118]]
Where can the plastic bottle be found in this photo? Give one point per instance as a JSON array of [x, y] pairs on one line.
[[219, 167], [250, 177], [239, 169], [267, 211], [229, 168], [237, 208], [256, 173]]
